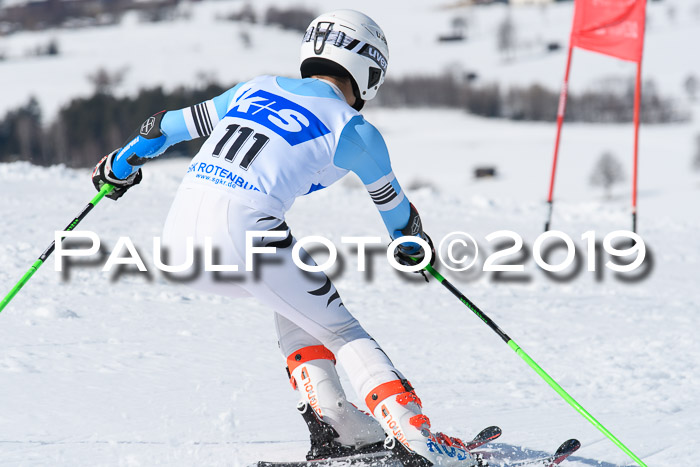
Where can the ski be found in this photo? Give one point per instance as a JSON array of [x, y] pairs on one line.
[[374, 459], [563, 452], [378, 459], [485, 436]]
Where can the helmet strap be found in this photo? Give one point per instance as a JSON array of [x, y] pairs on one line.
[[359, 102]]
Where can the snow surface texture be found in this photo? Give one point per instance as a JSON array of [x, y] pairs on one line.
[[131, 372], [200, 42], [97, 370]]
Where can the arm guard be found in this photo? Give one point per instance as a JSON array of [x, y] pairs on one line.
[[164, 129], [413, 228], [144, 144]]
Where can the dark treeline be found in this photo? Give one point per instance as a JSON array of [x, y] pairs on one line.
[[612, 102], [43, 14], [90, 127]]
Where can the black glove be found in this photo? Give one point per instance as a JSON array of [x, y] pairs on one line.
[[103, 174], [409, 255]]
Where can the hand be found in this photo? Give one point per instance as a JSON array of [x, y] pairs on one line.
[[103, 174], [410, 255]]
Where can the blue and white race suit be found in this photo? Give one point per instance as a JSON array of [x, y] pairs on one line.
[[271, 140]]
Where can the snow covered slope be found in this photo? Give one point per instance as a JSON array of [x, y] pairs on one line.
[[97, 370], [128, 371], [201, 42]]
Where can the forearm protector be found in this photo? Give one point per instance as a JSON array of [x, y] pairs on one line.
[[144, 144]]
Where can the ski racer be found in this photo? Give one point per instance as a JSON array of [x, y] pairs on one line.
[[269, 141]]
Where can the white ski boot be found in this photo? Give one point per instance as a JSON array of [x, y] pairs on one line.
[[398, 409], [337, 428]]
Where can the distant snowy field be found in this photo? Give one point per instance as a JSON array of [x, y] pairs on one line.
[[177, 53], [136, 373], [98, 371]]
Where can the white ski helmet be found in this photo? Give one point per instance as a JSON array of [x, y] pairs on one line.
[[346, 43]]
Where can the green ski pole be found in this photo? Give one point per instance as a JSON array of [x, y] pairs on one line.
[[106, 189], [511, 343]]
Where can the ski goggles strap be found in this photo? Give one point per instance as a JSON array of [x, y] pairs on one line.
[[323, 33]]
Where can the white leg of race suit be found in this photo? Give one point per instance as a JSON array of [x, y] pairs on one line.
[[313, 372], [309, 300]]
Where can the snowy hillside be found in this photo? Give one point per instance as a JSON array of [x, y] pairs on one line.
[[131, 372], [200, 43], [98, 370]]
